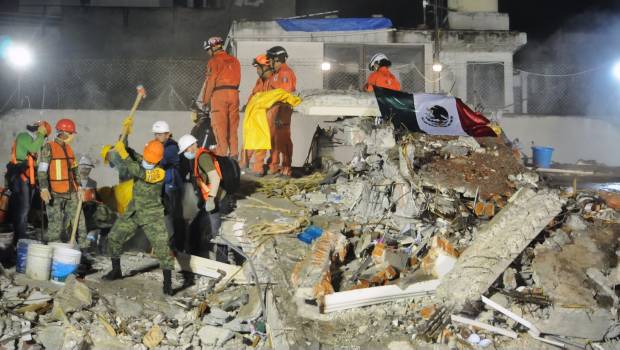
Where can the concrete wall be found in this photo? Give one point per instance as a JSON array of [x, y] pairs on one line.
[[473, 5], [573, 138]]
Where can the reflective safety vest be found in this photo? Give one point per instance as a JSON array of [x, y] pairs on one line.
[[204, 188], [60, 168], [29, 173]]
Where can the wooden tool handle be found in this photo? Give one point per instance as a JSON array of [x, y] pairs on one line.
[[76, 220]]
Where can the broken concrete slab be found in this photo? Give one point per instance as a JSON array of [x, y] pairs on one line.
[[579, 323], [126, 308], [214, 336], [498, 243], [73, 296]]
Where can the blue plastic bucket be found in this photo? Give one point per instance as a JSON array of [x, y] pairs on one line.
[[65, 262], [542, 156], [22, 254]]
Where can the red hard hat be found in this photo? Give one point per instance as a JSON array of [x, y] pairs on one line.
[[48, 127], [66, 125]]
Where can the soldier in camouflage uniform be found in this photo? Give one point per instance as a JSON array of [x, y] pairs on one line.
[[59, 180], [145, 211]]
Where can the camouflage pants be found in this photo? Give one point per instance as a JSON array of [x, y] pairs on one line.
[[155, 229], [60, 215]]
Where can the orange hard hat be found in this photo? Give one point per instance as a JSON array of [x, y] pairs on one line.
[[48, 127], [66, 125], [153, 152], [260, 59]]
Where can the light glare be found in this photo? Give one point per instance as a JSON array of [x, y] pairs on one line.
[[437, 67], [19, 56], [325, 66]]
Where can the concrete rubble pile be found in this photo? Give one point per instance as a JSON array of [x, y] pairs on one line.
[[90, 315], [453, 241], [425, 242]]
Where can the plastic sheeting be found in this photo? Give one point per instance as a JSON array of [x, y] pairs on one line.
[[334, 24]]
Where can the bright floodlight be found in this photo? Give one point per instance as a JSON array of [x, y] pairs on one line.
[[616, 70], [19, 56], [437, 67], [326, 66]]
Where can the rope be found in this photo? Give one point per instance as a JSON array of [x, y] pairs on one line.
[[286, 188]]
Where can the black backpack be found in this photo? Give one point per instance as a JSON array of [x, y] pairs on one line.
[[231, 174]]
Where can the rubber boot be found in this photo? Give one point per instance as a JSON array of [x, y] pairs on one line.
[[167, 282], [188, 278], [116, 272]]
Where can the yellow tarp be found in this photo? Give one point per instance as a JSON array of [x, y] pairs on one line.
[[255, 126], [117, 197]]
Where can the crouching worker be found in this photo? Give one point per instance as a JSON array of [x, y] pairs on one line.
[[145, 211], [206, 176]]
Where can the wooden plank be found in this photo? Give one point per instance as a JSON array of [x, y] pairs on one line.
[[375, 295], [209, 268], [485, 326], [564, 171]]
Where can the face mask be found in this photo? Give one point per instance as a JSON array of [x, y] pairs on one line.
[[189, 155], [148, 166]]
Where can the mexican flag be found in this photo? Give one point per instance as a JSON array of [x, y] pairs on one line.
[[431, 113]]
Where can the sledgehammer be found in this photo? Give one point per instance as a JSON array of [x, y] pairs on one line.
[[141, 94]]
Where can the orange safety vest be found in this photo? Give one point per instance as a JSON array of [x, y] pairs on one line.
[[29, 174], [60, 168], [204, 188]]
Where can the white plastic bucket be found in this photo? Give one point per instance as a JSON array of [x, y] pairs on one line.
[[39, 261], [65, 261]]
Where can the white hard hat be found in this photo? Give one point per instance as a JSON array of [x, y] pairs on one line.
[[161, 126], [85, 161], [185, 141], [376, 59]]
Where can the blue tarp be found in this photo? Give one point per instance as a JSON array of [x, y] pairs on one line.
[[334, 24]]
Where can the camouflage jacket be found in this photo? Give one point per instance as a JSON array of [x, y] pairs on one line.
[[146, 200]]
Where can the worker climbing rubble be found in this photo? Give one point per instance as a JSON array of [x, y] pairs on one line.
[[212, 177], [221, 96], [381, 76], [145, 210], [60, 184], [283, 78], [20, 176]]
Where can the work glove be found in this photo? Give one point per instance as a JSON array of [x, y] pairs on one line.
[[45, 195], [42, 130], [210, 204], [127, 125], [119, 147]]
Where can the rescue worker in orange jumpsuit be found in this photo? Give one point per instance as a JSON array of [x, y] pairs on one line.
[[283, 78], [221, 95], [264, 71], [381, 75], [60, 183], [21, 173]]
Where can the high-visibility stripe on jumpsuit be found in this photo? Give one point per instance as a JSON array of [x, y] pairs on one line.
[[282, 145], [222, 92]]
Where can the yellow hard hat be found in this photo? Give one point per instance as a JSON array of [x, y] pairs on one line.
[[104, 153]]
